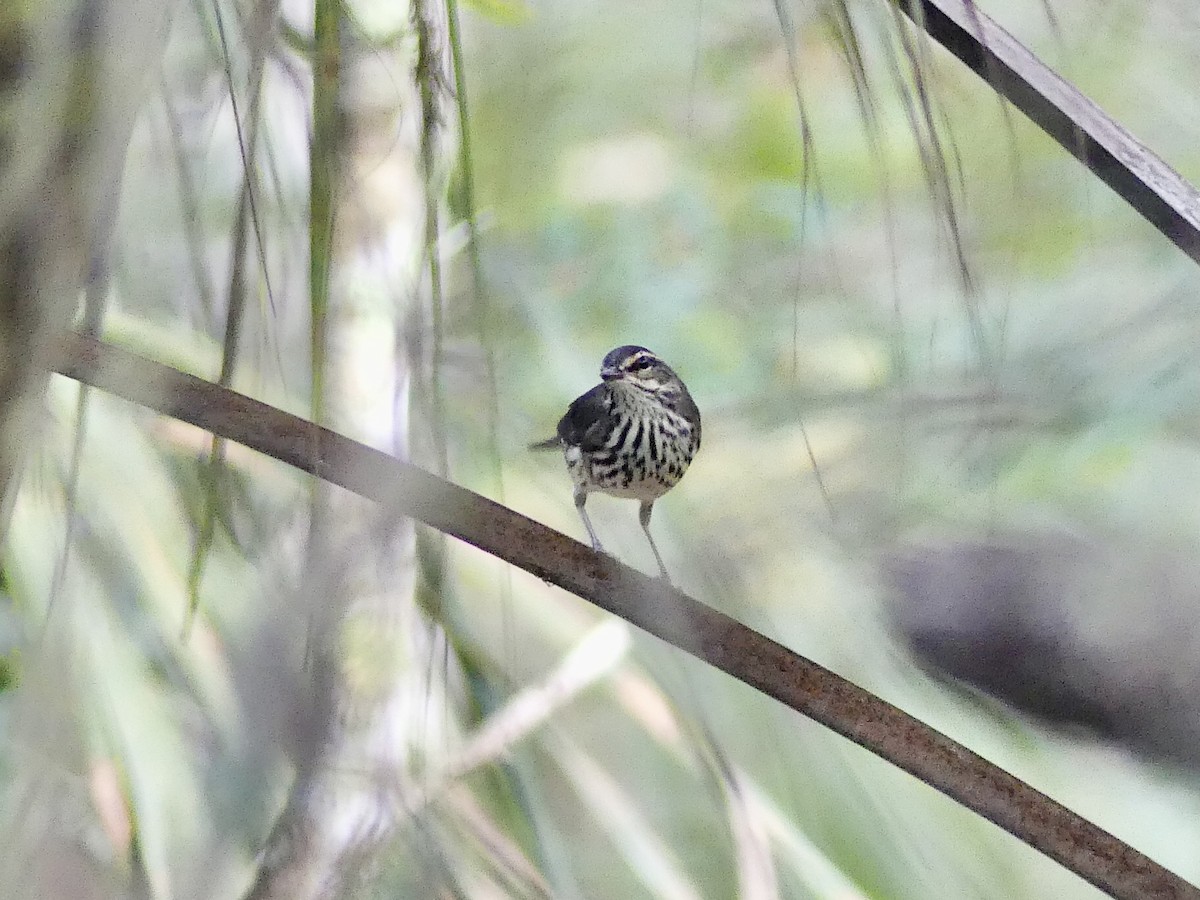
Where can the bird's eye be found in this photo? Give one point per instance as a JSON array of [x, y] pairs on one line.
[[642, 362]]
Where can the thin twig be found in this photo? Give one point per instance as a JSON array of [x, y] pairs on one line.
[[1141, 178]]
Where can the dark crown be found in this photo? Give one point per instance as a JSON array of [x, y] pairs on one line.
[[635, 364]]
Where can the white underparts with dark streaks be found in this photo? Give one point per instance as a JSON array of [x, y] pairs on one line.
[[645, 457]]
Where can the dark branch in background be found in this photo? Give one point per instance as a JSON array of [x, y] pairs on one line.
[[647, 603], [1148, 184]]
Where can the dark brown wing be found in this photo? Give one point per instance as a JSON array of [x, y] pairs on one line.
[[688, 409], [589, 420]]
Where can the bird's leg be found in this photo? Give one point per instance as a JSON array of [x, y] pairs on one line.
[[580, 500], [644, 518]]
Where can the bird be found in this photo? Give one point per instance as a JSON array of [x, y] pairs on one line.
[[633, 435]]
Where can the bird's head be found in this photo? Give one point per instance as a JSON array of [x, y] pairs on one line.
[[640, 368]]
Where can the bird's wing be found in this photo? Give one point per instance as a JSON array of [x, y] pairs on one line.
[[691, 412], [589, 420]]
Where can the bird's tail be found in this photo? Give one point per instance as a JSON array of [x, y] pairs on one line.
[[551, 444]]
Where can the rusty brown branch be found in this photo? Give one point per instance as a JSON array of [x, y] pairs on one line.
[[647, 603]]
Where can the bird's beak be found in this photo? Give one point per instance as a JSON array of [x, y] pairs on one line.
[[610, 373]]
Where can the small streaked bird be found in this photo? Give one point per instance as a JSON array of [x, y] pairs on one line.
[[633, 435]]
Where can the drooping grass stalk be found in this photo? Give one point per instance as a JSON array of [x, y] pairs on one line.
[[248, 129], [428, 82], [323, 167], [467, 209]]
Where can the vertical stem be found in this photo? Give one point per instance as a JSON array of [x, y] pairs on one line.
[[323, 163], [466, 199], [428, 76], [248, 130], [323, 170]]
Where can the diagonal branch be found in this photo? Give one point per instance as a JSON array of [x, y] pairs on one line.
[[648, 603], [1163, 197]]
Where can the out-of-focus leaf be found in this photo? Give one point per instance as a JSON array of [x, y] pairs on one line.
[[506, 12], [9, 668]]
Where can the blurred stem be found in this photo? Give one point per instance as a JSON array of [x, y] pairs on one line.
[[298, 43], [95, 304], [427, 77], [324, 166], [248, 130], [466, 202], [95, 300], [189, 202], [937, 153], [431, 548]]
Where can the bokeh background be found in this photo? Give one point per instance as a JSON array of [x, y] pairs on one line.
[[949, 387]]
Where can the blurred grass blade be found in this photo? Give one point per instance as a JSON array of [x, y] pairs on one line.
[[522, 877], [615, 810], [324, 164], [469, 212], [430, 79], [212, 474], [757, 878], [822, 877], [595, 656]]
